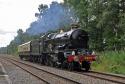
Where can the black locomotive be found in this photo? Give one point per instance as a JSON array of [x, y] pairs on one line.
[[65, 49]]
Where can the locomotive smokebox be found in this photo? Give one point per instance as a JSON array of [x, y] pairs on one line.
[[79, 39]]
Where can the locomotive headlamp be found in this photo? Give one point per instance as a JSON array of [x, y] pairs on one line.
[[93, 53], [76, 58]]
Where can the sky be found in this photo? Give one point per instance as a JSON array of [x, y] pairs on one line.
[[17, 14]]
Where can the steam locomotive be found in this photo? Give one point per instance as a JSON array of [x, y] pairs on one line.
[[65, 49]]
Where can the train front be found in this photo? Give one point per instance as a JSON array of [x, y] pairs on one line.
[[79, 56]]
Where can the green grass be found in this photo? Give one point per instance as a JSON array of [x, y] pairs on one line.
[[110, 61]]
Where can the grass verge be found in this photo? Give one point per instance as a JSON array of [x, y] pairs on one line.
[[110, 61]]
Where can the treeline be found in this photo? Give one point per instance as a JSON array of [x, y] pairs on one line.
[[103, 19], [21, 38]]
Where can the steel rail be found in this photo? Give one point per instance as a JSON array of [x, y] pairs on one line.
[[28, 72], [38, 69], [105, 76]]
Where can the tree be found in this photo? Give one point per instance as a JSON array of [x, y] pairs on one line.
[[103, 19]]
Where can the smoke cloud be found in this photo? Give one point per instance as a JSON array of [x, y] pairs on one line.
[[54, 17]]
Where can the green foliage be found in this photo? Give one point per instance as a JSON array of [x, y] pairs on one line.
[[103, 19], [110, 61], [21, 37]]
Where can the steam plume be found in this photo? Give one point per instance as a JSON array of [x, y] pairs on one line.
[[54, 17]]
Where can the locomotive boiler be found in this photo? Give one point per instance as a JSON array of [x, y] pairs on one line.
[[72, 39], [65, 49]]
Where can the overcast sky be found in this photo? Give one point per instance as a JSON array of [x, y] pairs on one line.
[[16, 14]]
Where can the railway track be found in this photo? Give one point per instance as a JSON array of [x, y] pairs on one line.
[[118, 79], [45, 76]]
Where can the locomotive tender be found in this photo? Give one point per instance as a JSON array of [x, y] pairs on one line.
[[65, 50]]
